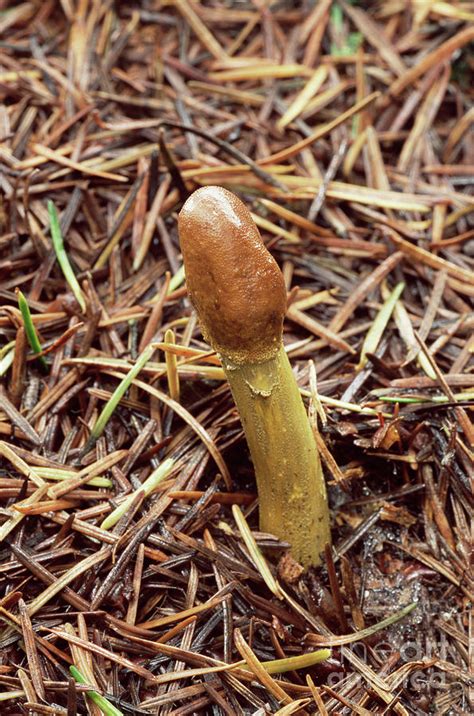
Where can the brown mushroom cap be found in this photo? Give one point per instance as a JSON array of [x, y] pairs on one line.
[[233, 281]]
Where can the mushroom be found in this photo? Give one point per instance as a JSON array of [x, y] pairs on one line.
[[239, 293]]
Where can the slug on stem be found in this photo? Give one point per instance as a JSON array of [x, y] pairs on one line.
[[239, 294]]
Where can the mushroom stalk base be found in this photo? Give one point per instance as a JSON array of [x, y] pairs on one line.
[[290, 482]]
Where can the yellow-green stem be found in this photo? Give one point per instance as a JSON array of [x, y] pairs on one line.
[[290, 482]]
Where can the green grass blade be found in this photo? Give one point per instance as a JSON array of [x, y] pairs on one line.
[[7, 695], [150, 484], [62, 256], [255, 553], [176, 280], [118, 394], [30, 330], [292, 663], [465, 397], [105, 706], [6, 349], [7, 354], [368, 631], [377, 328], [58, 474]]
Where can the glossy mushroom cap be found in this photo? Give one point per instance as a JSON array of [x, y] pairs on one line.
[[233, 281]]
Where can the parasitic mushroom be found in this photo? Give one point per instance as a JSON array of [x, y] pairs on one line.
[[238, 291]]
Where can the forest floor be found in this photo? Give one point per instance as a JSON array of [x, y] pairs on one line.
[[348, 130]]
